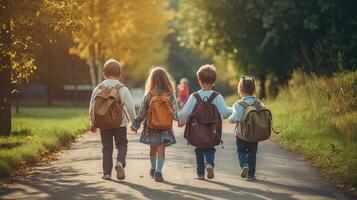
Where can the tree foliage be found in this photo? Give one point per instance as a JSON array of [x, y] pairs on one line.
[[32, 23], [24, 25], [130, 31], [275, 36]]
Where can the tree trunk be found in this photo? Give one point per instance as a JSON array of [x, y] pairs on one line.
[[100, 63], [92, 65], [5, 77], [262, 87], [49, 72]]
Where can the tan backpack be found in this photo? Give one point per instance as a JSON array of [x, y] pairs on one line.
[[107, 111], [160, 113], [257, 122]]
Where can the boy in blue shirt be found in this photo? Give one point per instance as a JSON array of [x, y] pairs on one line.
[[206, 76]]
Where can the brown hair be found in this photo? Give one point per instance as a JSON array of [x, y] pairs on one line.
[[247, 86], [160, 78], [112, 68], [207, 74]]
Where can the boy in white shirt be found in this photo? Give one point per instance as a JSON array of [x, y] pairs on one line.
[[112, 72]]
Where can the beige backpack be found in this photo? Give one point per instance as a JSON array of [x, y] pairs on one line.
[[107, 111], [257, 122]]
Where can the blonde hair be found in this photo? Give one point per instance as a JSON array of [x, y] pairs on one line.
[[159, 78], [112, 68], [183, 80]]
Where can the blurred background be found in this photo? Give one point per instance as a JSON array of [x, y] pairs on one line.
[[57, 47]]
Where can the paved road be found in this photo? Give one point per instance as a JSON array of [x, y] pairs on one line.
[[77, 175]]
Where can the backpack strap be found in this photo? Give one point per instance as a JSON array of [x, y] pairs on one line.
[[101, 86], [213, 95], [118, 86], [243, 104], [197, 96]]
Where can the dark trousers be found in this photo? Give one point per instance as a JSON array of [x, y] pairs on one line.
[[204, 157], [247, 154], [121, 143]]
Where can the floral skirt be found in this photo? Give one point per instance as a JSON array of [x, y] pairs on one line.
[[156, 137]]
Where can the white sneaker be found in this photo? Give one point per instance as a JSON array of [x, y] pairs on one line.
[[244, 172], [251, 178], [200, 177], [107, 177], [210, 171], [120, 171]]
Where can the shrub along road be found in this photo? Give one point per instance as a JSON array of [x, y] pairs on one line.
[[77, 175]]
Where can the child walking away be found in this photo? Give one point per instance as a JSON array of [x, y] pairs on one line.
[[253, 125], [111, 106], [202, 113], [183, 90], [158, 110]]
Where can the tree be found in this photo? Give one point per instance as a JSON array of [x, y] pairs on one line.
[[275, 36], [229, 28], [24, 24], [131, 31]]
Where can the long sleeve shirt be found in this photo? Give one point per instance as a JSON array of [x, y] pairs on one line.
[[238, 112], [191, 103], [125, 97]]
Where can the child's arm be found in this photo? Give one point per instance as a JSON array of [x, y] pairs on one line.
[[129, 104], [174, 104], [237, 115], [187, 109], [142, 113], [94, 92], [222, 107]]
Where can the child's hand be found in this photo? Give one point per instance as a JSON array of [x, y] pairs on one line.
[[93, 129], [181, 124], [134, 130]]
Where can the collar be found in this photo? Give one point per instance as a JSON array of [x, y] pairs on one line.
[[248, 97], [205, 90], [111, 81]]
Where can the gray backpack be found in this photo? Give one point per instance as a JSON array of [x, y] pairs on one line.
[[257, 122]]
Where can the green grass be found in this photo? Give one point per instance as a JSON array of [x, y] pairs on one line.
[[316, 117], [37, 131]]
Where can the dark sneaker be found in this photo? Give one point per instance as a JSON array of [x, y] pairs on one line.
[[107, 177], [210, 171], [120, 171], [152, 173], [158, 177], [244, 172], [200, 177], [251, 178]]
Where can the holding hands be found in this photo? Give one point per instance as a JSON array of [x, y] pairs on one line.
[[181, 123], [93, 129], [133, 129]]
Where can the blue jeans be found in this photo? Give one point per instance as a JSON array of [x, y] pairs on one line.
[[204, 157], [247, 154]]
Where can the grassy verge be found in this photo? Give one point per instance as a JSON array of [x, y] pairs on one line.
[[37, 131], [317, 118]]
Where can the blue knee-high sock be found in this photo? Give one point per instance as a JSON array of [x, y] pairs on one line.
[[159, 163], [153, 162]]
